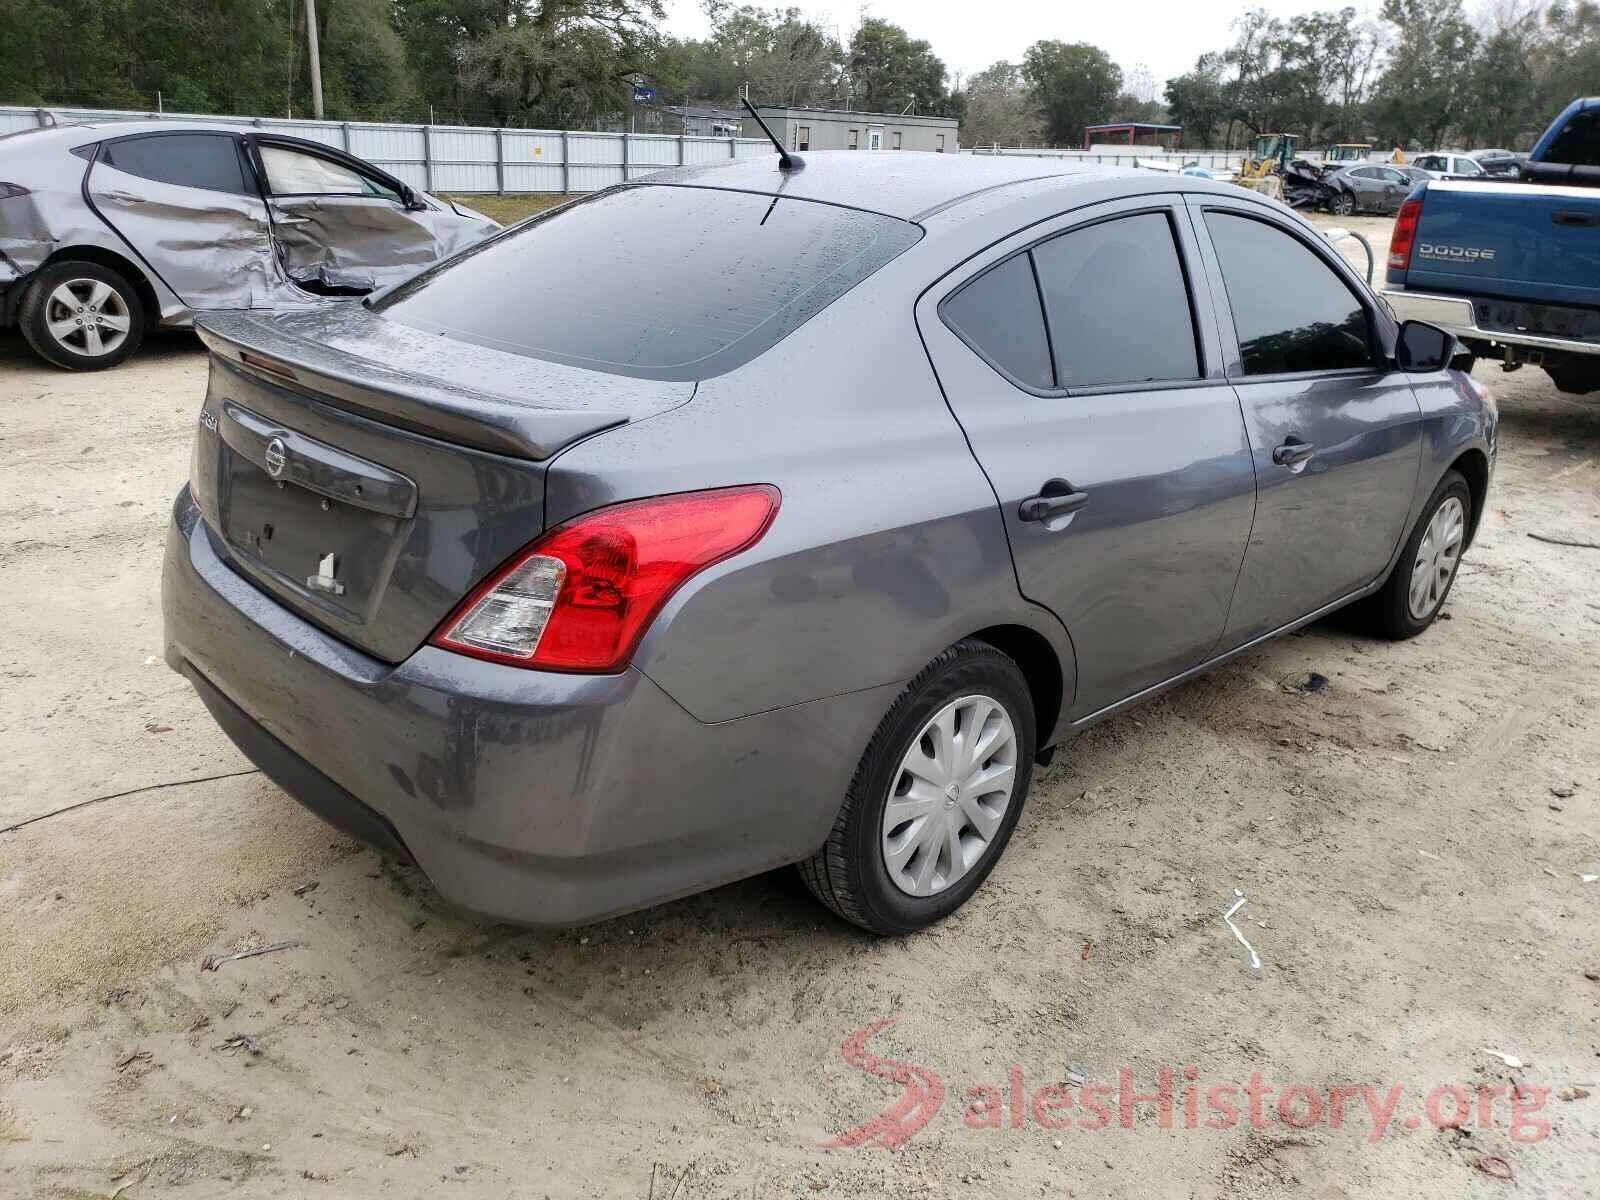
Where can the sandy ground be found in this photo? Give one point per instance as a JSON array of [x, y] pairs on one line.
[[1410, 840]]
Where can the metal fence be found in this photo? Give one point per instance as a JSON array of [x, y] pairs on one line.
[[456, 158]]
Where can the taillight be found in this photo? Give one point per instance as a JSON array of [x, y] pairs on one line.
[[1405, 232], [581, 596]]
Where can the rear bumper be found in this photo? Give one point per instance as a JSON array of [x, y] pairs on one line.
[[534, 797], [1458, 315]]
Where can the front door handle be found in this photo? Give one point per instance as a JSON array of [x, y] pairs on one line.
[[1293, 452], [1056, 499]]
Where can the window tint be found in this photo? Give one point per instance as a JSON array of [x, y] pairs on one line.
[[1117, 304], [998, 315], [1465, 166], [1290, 311], [653, 281], [1365, 172], [1578, 143], [296, 173], [199, 160]]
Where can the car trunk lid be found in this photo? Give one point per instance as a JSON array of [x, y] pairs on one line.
[[367, 477]]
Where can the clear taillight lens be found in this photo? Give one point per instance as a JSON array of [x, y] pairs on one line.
[[581, 596], [512, 617]]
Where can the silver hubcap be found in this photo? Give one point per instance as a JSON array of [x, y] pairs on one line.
[[949, 795], [87, 317], [1437, 558]]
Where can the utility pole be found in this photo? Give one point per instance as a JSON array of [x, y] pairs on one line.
[[316, 59]]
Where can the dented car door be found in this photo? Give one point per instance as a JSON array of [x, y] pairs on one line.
[[340, 227], [187, 205]]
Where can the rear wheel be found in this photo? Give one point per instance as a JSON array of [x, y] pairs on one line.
[[1343, 205], [1573, 376], [1415, 592], [935, 797], [82, 316]]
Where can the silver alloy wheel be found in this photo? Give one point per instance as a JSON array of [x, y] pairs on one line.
[[1437, 557], [950, 795], [88, 317]]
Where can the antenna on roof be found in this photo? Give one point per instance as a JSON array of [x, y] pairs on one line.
[[786, 161]]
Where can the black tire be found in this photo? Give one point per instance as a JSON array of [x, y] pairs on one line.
[[1574, 378], [849, 874], [1343, 205], [1387, 612], [73, 350]]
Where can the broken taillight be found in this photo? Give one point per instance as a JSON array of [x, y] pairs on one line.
[[581, 596]]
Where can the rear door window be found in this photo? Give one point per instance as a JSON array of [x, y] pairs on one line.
[[197, 160], [998, 315], [1117, 304], [654, 281], [1291, 311]]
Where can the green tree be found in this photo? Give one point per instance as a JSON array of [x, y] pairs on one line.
[[1425, 90], [1073, 84], [890, 71], [784, 58], [560, 63], [1566, 60], [1198, 101], [996, 109]]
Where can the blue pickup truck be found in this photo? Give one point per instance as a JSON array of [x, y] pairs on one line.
[[1512, 267]]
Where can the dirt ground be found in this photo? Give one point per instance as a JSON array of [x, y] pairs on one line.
[[1411, 841]]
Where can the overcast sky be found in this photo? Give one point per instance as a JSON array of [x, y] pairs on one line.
[[1165, 35]]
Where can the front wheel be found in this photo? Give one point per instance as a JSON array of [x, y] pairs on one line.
[[935, 797], [1415, 592], [82, 316]]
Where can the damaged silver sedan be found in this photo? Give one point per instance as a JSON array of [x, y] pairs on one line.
[[107, 230]]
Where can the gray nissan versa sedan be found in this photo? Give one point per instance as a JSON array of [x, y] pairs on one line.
[[738, 517]]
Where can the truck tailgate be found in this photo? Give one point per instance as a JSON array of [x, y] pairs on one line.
[[1514, 240]]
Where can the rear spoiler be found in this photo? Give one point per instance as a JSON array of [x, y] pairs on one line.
[[463, 416], [1564, 174]]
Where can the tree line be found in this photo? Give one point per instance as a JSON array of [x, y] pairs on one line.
[[1412, 72], [1421, 73]]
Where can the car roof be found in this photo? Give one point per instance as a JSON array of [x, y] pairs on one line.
[[83, 132], [909, 185]]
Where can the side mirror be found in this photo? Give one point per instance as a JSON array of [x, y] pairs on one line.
[[1423, 347], [409, 197]]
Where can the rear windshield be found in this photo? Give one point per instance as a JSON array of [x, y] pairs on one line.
[[654, 281], [1578, 143]]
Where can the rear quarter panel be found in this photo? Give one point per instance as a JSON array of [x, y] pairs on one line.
[[888, 545]]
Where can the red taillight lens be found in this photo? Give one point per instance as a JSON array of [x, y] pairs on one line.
[[581, 597], [1405, 232]]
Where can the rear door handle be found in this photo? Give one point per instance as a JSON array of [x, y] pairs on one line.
[[1580, 220], [1293, 452], [1056, 499]]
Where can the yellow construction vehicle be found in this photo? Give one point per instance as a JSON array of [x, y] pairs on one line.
[[1268, 155], [1262, 171]]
